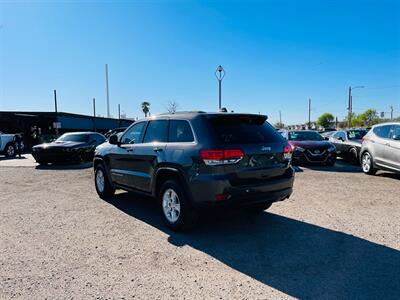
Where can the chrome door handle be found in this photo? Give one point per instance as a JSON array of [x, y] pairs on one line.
[[157, 149]]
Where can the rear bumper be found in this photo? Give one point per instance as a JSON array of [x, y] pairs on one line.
[[204, 189]]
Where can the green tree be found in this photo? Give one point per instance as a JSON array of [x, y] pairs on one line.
[[326, 120], [368, 118], [145, 107]]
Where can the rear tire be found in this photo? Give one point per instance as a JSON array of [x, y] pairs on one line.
[[367, 164], [175, 207], [103, 186], [259, 208]]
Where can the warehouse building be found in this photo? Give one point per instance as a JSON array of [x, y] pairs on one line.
[[44, 126]]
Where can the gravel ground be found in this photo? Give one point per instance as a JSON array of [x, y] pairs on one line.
[[338, 236]]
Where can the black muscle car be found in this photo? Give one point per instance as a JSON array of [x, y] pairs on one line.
[[70, 147], [348, 143]]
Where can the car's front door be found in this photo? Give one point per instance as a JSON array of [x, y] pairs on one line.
[[149, 153], [392, 151], [121, 157], [338, 139]]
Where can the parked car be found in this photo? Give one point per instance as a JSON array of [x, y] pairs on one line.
[[7, 145], [194, 161], [70, 147], [309, 147], [381, 149], [114, 131], [348, 143]]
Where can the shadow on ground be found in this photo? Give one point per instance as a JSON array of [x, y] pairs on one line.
[[297, 258], [65, 166]]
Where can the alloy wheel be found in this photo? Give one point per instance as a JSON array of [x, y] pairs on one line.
[[100, 180], [171, 205]]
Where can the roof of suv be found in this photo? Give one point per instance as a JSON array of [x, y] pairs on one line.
[[189, 115]]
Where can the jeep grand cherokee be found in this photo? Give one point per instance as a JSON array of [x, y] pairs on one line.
[[193, 161]]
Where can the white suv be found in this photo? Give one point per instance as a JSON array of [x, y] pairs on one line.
[[381, 149]]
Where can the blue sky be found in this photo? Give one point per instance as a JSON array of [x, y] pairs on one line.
[[276, 54]]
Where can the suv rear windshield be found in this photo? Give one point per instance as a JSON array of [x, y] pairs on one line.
[[244, 130]]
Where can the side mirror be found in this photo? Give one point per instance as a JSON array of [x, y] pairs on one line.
[[113, 140], [326, 138], [340, 139]]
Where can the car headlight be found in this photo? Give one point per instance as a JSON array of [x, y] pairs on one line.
[[299, 149], [332, 149]]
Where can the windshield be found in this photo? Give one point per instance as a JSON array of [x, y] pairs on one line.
[[68, 137], [356, 134], [305, 136]]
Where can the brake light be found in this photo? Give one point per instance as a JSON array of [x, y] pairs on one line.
[[287, 152], [362, 140], [221, 157]]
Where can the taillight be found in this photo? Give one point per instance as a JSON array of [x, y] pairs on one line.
[[221, 157], [362, 140], [287, 152]]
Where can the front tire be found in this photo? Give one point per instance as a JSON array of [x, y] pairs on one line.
[[10, 150], [353, 156], [367, 164], [103, 186], [176, 210]]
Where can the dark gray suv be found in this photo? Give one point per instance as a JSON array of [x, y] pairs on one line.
[[193, 161]]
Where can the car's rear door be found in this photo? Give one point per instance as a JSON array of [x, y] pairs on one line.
[[149, 153], [392, 151], [262, 148], [379, 143]]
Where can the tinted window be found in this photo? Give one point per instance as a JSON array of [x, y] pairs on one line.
[[356, 134], [180, 131], [99, 139], [157, 131], [134, 134], [73, 137], [339, 134], [305, 136], [382, 131], [242, 130], [395, 133]]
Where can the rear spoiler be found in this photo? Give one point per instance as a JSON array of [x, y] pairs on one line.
[[237, 119]]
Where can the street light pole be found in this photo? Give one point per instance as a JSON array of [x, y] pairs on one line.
[[219, 74]]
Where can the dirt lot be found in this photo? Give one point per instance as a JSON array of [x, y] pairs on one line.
[[337, 237]]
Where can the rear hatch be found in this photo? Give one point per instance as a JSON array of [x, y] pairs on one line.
[[259, 148]]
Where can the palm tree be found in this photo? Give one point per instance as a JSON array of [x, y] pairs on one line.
[[145, 108]]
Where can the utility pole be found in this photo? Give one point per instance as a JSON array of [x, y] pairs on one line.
[[107, 93], [55, 101], [119, 115], [94, 114], [280, 119], [350, 108], [309, 113], [336, 122], [391, 112]]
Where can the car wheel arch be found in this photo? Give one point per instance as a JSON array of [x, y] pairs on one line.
[[165, 173]]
